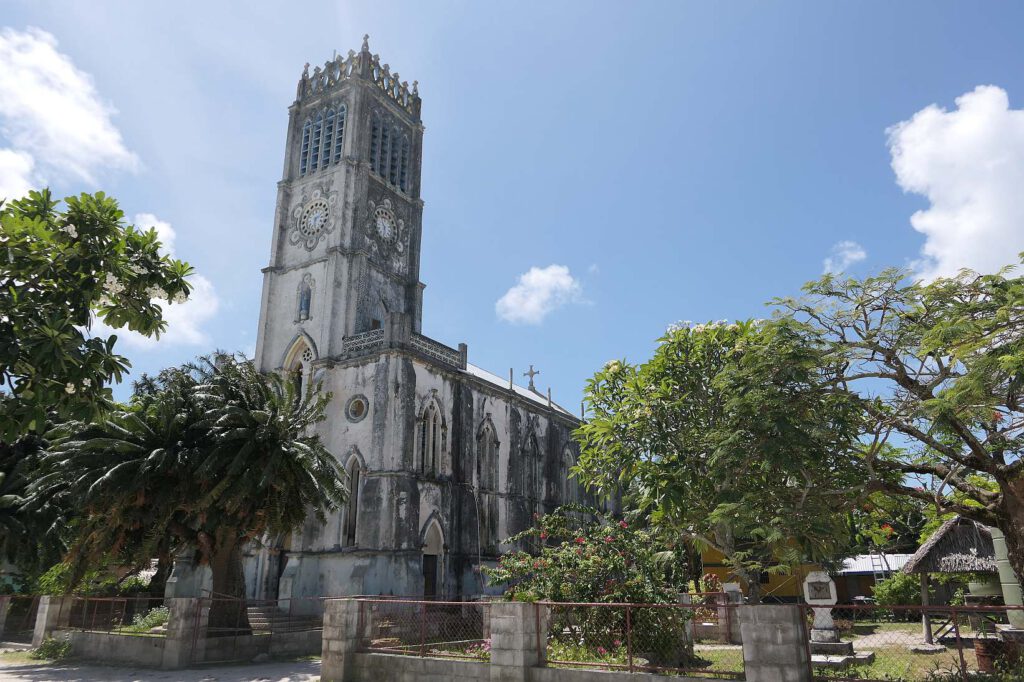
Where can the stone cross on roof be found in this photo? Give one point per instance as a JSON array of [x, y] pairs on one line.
[[532, 373]]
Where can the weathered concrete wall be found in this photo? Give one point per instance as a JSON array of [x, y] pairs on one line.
[[52, 615], [115, 648], [774, 643], [388, 668]]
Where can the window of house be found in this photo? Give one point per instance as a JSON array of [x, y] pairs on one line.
[[403, 179], [325, 157], [339, 132], [304, 153], [314, 143], [352, 508]]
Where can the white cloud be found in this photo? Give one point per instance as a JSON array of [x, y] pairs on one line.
[[844, 254], [52, 116], [538, 292], [15, 173], [969, 163]]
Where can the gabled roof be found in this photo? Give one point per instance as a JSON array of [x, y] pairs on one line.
[[959, 546]]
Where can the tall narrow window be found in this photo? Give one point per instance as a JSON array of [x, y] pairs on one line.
[[403, 178], [385, 151], [352, 509], [530, 461], [487, 449], [395, 161], [304, 154], [431, 437], [375, 143], [325, 156], [314, 143], [339, 133]]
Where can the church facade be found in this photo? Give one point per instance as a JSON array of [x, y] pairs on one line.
[[444, 459]]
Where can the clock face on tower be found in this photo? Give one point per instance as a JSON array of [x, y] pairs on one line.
[[313, 217], [387, 236], [385, 221]]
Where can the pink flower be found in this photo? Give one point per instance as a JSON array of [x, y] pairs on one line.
[[617, 643], [602, 651], [580, 540], [609, 538], [543, 535], [623, 525]]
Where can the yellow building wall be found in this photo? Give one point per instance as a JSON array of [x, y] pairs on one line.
[[784, 586]]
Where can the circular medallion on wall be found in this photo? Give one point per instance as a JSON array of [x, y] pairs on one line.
[[312, 216], [356, 408]]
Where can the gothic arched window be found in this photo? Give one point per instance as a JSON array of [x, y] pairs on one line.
[[385, 151], [403, 177], [339, 133], [431, 439], [314, 143], [304, 154], [352, 506], [568, 486], [487, 451], [325, 156], [375, 130], [396, 157], [488, 520], [531, 459]]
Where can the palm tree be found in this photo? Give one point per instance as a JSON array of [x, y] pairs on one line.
[[212, 455]]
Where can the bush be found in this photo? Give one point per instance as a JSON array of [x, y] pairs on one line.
[[51, 650], [144, 622]]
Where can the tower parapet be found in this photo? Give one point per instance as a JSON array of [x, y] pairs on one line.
[[362, 65]]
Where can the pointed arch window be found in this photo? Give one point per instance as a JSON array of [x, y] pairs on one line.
[[314, 143], [352, 506], [403, 176], [487, 449], [375, 131], [488, 524], [325, 155], [431, 439], [339, 133], [568, 486], [304, 153], [531, 458]]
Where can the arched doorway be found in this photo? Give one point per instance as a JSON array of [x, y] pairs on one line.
[[433, 551]]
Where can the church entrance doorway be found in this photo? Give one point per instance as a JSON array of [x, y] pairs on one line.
[[433, 549]]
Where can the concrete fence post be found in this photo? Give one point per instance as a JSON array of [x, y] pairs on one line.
[[340, 640], [775, 645], [514, 640], [186, 632], [53, 614]]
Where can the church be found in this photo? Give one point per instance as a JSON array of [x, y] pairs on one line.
[[444, 459]]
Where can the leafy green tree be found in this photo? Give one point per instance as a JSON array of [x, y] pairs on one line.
[[938, 370], [213, 456], [60, 269], [728, 436]]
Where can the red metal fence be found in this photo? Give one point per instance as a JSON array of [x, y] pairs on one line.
[[885, 643], [695, 639], [425, 628], [144, 616]]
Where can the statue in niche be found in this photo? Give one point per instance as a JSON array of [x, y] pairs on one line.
[[305, 297]]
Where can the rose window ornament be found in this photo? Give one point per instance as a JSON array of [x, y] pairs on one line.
[[313, 218]]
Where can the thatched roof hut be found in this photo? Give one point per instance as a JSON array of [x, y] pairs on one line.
[[958, 546]]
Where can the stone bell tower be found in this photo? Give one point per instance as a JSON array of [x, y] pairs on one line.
[[345, 253]]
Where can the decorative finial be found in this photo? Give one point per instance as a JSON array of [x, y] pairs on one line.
[[415, 87], [532, 373], [366, 42], [305, 70]]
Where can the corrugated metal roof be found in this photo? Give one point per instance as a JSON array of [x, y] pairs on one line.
[[862, 563], [490, 378]]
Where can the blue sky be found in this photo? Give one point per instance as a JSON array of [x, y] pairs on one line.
[[679, 160]]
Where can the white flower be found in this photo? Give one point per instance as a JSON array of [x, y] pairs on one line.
[[733, 327], [155, 292], [70, 230], [86, 383], [180, 297], [613, 366], [135, 269], [69, 388], [112, 286]]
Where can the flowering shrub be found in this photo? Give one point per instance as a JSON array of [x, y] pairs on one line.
[[584, 556]]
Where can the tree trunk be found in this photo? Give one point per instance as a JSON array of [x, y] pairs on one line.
[[164, 565], [228, 614], [1012, 525]]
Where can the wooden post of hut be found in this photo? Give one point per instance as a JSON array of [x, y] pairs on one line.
[[958, 546]]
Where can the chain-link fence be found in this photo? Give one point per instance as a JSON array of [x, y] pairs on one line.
[[696, 639], [426, 628], [914, 643]]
